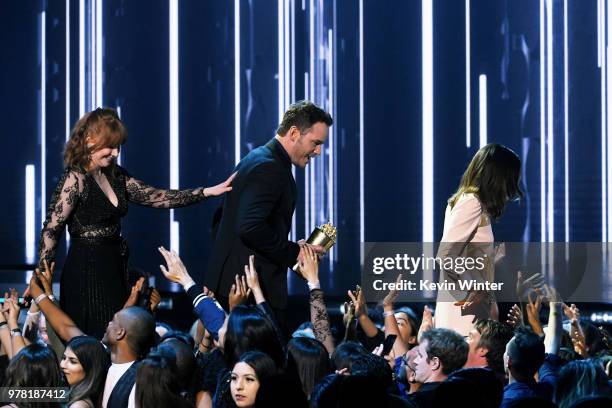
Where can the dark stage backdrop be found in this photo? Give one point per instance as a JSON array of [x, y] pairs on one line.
[[415, 87]]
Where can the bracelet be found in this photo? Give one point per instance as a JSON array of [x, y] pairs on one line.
[[33, 313], [15, 332], [314, 285], [51, 297], [40, 297], [388, 314], [2, 324]]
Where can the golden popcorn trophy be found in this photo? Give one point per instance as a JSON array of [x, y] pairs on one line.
[[323, 235]]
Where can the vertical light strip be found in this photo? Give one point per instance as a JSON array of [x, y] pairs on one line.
[[174, 117], [99, 55], [334, 97], [43, 115], [313, 98], [361, 136], [292, 99], [542, 127], [67, 70], [237, 84], [281, 59], [92, 54], [331, 138], [307, 169], [293, 77], [81, 58], [311, 33], [68, 124], [599, 33], [287, 66], [550, 139], [604, 162], [566, 118], [427, 118], [30, 212], [468, 91], [482, 109], [608, 74], [309, 174]]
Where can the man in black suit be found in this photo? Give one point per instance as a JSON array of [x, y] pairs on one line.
[[255, 217]]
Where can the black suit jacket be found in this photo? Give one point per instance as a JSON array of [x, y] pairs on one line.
[[255, 219]]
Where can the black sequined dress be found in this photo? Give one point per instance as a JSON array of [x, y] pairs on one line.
[[94, 276]]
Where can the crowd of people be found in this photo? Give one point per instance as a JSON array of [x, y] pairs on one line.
[[242, 357], [101, 342]]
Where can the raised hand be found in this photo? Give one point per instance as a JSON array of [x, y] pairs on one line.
[[310, 264], [35, 284], [515, 317], [571, 312], [155, 299], [391, 297], [49, 270], [134, 293], [239, 292], [252, 280], [577, 335], [358, 301], [533, 312], [523, 286], [208, 292], [176, 270], [427, 321], [45, 280], [349, 313], [14, 309], [220, 188], [6, 305]]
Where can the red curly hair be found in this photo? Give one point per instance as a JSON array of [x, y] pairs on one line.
[[97, 129]]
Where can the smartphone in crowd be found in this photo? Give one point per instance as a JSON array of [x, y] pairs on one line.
[[388, 344]]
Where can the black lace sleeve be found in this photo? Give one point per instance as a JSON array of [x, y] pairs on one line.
[[63, 201], [320, 319], [140, 193]]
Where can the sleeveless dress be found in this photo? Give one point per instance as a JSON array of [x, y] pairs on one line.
[[93, 284]]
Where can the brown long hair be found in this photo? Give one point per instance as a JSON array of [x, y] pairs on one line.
[[493, 176], [103, 128]]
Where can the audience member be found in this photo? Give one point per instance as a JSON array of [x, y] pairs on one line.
[[308, 361], [487, 341], [84, 364], [580, 379], [157, 381], [34, 366], [440, 352]]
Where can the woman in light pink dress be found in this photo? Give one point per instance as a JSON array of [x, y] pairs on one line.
[[490, 181]]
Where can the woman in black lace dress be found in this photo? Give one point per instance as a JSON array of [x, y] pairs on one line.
[[91, 198]]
